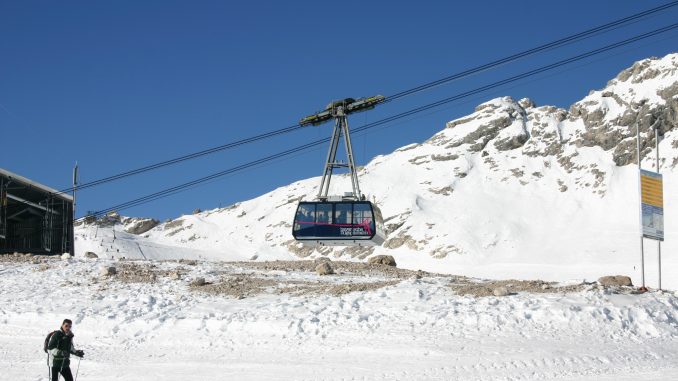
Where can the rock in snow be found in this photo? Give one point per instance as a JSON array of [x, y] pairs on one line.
[[174, 275], [615, 280], [500, 291], [324, 268], [105, 271], [382, 260], [320, 260]]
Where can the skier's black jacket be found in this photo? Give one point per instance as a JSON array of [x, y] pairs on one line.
[[60, 348]]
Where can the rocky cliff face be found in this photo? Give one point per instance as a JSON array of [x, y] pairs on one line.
[[640, 96], [132, 225], [510, 179]]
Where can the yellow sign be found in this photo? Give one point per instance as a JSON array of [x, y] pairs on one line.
[[651, 190], [652, 204]]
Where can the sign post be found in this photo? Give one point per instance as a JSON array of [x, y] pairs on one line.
[[651, 189], [658, 136], [75, 186]]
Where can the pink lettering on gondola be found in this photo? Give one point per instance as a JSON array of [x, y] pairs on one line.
[[365, 225]]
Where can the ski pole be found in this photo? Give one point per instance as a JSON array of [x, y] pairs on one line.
[[78, 369], [49, 369], [61, 370]]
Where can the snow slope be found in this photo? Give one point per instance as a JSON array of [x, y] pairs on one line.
[[416, 329], [511, 190]]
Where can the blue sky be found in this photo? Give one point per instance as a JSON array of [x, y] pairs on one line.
[[117, 85]]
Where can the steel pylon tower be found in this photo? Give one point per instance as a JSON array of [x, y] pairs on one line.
[[339, 111], [340, 129]]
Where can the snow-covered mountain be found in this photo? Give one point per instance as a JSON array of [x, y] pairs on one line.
[[513, 189]]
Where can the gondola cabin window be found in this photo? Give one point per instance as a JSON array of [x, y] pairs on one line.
[[305, 218], [363, 221], [343, 214], [324, 214]]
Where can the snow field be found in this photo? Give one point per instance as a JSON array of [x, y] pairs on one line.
[[416, 329]]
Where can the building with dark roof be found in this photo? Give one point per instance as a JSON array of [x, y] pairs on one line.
[[34, 218]]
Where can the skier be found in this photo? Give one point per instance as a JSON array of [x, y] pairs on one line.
[[60, 348]]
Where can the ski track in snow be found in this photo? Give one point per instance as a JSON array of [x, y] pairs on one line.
[[416, 330]]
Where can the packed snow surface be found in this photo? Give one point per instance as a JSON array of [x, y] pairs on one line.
[[415, 326]]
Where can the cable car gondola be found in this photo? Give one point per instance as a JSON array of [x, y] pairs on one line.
[[339, 223], [347, 220]]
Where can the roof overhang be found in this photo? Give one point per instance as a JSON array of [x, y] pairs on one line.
[[36, 185]]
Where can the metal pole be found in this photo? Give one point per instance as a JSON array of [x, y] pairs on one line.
[[640, 211], [71, 223], [329, 164], [349, 154], [75, 186], [659, 243], [64, 226], [77, 370], [659, 253], [642, 262], [3, 228]]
